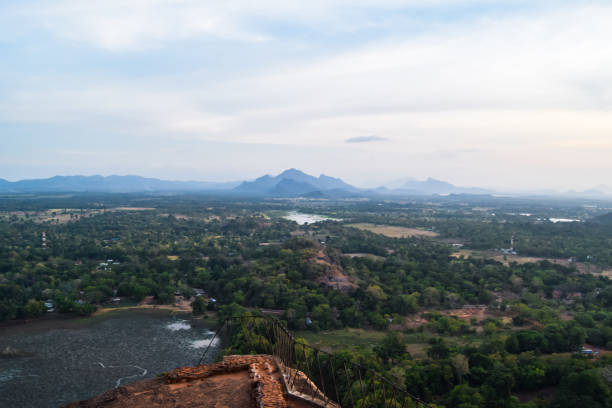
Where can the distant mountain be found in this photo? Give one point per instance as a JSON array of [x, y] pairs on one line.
[[294, 182], [428, 187], [603, 189], [110, 184], [289, 183], [290, 187]]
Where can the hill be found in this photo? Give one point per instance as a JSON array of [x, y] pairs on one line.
[[293, 182], [110, 184], [432, 186]]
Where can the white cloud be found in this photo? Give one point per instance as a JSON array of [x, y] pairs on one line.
[[518, 76], [536, 83], [124, 25]]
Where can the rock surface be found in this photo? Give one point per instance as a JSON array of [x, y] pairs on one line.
[[235, 382]]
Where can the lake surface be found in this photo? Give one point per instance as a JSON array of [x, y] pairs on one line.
[[79, 359], [556, 220], [303, 219]]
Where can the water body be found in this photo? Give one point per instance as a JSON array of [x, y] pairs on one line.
[[65, 361], [303, 219], [557, 220]]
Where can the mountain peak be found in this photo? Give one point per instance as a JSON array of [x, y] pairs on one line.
[[292, 172], [293, 182]]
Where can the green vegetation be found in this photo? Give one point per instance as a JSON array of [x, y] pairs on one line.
[[462, 332], [198, 306]]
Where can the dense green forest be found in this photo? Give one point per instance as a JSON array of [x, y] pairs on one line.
[[535, 319]]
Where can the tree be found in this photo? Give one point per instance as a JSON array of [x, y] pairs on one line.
[[404, 304], [34, 308], [461, 366], [431, 296], [500, 379], [84, 309], [585, 389], [198, 306], [438, 348], [391, 347], [464, 396]]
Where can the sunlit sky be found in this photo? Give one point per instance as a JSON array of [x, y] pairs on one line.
[[506, 94]]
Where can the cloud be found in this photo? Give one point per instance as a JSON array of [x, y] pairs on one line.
[[537, 80], [365, 139], [499, 82], [127, 25]]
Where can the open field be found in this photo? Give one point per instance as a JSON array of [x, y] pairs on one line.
[[607, 273], [180, 305], [350, 338], [331, 340], [393, 231], [364, 255], [505, 259], [170, 308], [64, 215], [520, 259]]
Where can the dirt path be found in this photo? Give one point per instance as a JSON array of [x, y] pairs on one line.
[[334, 274]]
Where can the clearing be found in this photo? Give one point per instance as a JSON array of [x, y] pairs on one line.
[[64, 215], [365, 255], [394, 231], [331, 340], [507, 259], [334, 274]]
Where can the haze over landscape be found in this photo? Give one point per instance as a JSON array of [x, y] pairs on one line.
[[322, 203], [289, 183], [505, 95]]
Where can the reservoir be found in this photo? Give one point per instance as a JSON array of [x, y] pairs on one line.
[[61, 361], [303, 219]]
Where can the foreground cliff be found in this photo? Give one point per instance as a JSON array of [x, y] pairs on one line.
[[237, 381]]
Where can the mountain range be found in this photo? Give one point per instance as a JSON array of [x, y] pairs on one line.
[[289, 183], [110, 184], [428, 187]]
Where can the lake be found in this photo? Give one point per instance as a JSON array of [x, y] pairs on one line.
[[556, 220], [303, 219], [69, 360]]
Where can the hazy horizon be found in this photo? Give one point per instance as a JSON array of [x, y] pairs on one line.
[[506, 95], [392, 184]]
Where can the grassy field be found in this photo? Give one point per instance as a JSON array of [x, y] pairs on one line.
[[364, 255], [349, 339], [333, 340], [393, 231], [64, 215], [521, 259]]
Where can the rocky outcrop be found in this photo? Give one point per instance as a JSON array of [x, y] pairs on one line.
[[237, 381]]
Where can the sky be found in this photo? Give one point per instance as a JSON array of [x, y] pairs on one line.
[[506, 94]]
